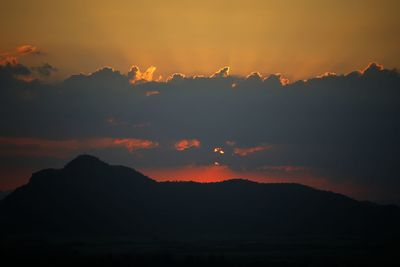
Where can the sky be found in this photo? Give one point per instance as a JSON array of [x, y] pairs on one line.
[[301, 39], [272, 91]]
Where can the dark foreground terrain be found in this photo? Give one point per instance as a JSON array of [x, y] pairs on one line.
[[93, 213], [125, 251]]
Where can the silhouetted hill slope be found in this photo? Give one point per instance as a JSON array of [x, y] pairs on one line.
[[3, 194], [90, 196]]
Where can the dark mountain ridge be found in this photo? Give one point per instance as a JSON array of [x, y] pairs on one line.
[[89, 196], [3, 194]]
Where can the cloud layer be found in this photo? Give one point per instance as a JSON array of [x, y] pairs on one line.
[[341, 128]]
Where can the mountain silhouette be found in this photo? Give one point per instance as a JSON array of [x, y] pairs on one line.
[[89, 196], [3, 194]]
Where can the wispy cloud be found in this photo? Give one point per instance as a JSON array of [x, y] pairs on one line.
[[186, 144], [27, 49], [39, 147], [246, 151]]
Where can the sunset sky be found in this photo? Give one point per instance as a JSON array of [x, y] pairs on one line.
[[273, 91], [300, 39]]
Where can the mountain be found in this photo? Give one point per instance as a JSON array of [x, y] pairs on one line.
[[3, 194], [89, 196]]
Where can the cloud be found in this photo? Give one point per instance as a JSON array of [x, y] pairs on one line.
[[8, 59], [28, 49], [372, 68], [135, 144], [10, 68], [176, 77], [256, 76], [136, 75], [40, 147], [341, 128], [221, 73], [276, 80], [245, 151], [230, 143], [327, 74], [15, 69], [184, 144], [150, 93], [45, 69], [11, 57]]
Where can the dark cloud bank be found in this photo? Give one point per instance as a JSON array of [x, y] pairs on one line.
[[342, 127]]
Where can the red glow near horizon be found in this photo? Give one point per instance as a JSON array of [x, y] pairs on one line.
[[218, 172], [278, 174]]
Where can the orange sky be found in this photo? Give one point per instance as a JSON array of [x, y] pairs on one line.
[[297, 38]]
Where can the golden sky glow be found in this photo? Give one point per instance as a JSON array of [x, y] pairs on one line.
[[297, 38]]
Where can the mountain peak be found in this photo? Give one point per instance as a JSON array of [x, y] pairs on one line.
[[85, 161]]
